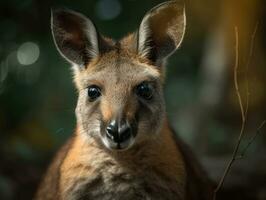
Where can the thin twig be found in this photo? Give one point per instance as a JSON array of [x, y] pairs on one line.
[[244, 113], [220, 184], [247, 89], [247, 66], [251, 140]]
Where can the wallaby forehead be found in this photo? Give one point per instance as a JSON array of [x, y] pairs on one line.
[[117, 68]]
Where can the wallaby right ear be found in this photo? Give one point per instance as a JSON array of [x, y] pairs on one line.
[[75, 36], [161, 31]]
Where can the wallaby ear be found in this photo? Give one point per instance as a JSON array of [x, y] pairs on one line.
[[75, 36], [161, 31]]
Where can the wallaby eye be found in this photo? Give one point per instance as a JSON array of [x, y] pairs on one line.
[[145, 90], [94, 92]]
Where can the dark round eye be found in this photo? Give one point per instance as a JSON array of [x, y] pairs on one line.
[[145, 90], [94, 92]]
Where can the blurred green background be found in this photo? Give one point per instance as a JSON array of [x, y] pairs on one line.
[[37, 97]]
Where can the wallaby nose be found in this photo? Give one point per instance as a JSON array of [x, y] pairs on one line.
[[118, 133]]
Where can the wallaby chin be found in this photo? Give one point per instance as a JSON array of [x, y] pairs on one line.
[[123, 147]]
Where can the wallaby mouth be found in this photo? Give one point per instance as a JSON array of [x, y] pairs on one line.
[[118, 135]]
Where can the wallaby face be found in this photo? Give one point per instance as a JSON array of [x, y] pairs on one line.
[[120, 102]]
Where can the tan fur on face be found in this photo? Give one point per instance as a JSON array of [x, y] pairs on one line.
[[107, 112], [117, 73], [124, 51]]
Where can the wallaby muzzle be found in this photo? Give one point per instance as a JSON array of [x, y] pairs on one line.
[[119, 134]]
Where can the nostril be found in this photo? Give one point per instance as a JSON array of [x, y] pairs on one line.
[[109, 129], [111, 132], [125, 135]]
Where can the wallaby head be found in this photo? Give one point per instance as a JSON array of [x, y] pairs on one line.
[[120, 103]]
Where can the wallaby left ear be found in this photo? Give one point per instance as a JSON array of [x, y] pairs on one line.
[[75, 36], [161, 31]]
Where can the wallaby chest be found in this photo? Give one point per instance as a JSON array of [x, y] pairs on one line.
[[122, 186], [103, 177]]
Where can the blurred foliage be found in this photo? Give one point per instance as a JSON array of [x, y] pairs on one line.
[[37, 97]]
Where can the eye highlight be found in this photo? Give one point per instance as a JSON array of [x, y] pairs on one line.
[[94, 92], [145, 90]]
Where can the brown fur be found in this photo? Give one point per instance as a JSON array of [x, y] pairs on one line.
[[156, 165], [159, 158], [83, 164]]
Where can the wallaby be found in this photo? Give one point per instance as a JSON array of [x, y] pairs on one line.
[[123, 147]]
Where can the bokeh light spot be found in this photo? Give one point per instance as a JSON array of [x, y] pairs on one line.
[[28, 53], [108, 9]]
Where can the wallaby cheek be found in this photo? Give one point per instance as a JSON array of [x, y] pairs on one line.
[[150, 121], [88, 115]]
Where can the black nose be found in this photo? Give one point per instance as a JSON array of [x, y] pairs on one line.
[[118, 133]]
